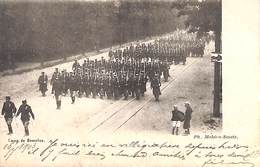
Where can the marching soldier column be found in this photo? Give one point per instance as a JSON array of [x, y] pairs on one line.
[[125, 73]]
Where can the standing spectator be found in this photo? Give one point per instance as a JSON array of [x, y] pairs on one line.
[[177, 118], [8, 111], [187, 118], [26, 112]]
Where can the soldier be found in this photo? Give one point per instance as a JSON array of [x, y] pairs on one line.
[[155, 85], [101, 86], [165, 70], [26, 112], [8, 111], [137, 86], [93, 85], [124, 85], [57, 91], [86, 84], [73, 87], [116, 87], [75, 66], [64, 81], [42, 81]]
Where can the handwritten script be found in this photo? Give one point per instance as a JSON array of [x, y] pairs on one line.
[[221, 154]]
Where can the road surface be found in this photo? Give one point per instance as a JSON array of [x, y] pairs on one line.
[[191, 82]]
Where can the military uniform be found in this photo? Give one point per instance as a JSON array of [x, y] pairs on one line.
[[43, 81], [57, 91], [26, 111]]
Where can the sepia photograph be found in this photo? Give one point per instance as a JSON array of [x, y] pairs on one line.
[[74, 73]]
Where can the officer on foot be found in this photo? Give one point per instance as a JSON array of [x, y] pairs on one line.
[[26, 113], [8, 111], [187, 118], [57, 91], [42, 81]]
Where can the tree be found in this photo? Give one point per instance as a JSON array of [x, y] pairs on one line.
[[203, 17]]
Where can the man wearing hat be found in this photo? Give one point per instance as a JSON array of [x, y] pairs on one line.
[[42, 81], [26, 112], [155, 85], [55, 75], [8, 111], [57, 91], [187, 118]]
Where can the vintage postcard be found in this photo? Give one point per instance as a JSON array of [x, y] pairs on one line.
[[129, 83]]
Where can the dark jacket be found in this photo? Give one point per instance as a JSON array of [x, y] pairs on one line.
[[57, 87], [177, 115], [25, 111], [8, 109], [42, 81]]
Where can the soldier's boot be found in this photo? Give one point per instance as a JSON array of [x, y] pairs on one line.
[[177, 131], [10, 129], [188, 131], [59, 104], [26, 130], [73, 99], [133, 95], [173, 130]]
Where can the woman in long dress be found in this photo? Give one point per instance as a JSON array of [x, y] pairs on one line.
[[187, 118]]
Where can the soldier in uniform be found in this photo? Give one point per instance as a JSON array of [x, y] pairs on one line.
[[8, 111], [26, 111], [187, 118], [124, 85], [176, 120], [143, 81], [43, 81], [86, 84], [55, 75], [155, 85], [101, 85], [75, 66], [116, 87], [93, 85], [57, 91], [109, 88], [64, 81], [73, 87], [137, 86]]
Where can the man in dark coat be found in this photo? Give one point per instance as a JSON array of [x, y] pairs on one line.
[[8, 111], [156, 84], [187, 118], [57, 91], [42, 81], [73, 87], [177, 117], [55, 75], [26, 113]]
